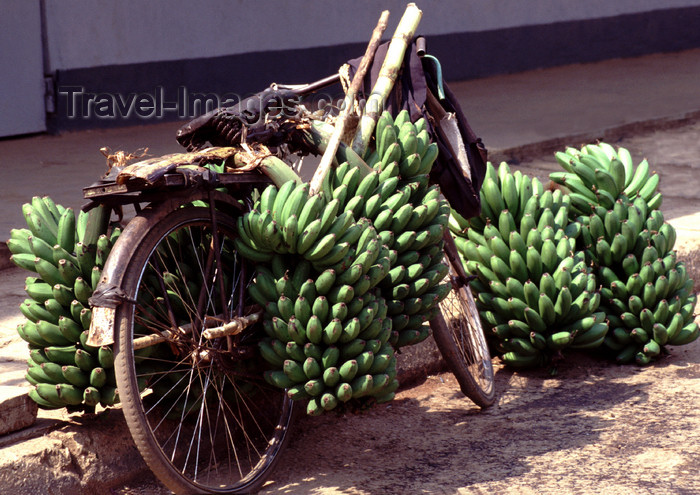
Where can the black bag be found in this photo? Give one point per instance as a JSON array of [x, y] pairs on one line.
[[415, 90]]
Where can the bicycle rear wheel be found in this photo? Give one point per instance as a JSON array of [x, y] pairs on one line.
[[198, 408], [459, 335]]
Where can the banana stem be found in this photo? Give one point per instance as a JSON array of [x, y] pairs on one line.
[[320, 134], [278, 171], [348, 106], [387, 77]]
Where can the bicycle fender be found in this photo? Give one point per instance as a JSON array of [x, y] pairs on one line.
[[109, 294]]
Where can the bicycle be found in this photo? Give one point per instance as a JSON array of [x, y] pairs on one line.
[[193, 394]]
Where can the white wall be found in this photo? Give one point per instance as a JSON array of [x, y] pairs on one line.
[[86, 33], [22, 76]]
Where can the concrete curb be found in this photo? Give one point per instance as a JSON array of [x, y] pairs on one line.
[[82, 454], [607, 134]]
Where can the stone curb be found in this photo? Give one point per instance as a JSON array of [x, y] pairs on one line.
[[17, 410], [81, 455], [608, 134]]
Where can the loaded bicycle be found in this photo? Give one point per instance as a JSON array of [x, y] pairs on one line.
[[208, 394]]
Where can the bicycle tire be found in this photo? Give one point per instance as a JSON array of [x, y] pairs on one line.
[[202, 416], [460, 338]]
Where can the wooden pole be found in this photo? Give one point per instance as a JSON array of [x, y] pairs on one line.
[[348, 105], [387, 77], [236, 325]]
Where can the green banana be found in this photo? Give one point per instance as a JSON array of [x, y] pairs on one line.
[[50, 332], [38, 290], [516, 360], [639, 178], [686, 335], [280, 200], [75, 376], [43, 403], [105, 356], [53, 371], [559, 340]]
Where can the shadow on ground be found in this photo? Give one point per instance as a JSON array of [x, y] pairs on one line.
[[433, 440]]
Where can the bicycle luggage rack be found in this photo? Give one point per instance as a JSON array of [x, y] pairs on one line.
[[112, 190], [150, 180]]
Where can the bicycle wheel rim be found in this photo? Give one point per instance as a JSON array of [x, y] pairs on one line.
[[204, 420], [464, 345]]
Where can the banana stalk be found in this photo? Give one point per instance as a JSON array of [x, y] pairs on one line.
[[278, 171], [387, 77], [320, 134], [259, 157], [348, 105]]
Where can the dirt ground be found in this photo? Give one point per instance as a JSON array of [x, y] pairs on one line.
[[593, 426]]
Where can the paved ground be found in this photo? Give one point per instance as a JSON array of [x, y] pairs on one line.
[[649, 105]]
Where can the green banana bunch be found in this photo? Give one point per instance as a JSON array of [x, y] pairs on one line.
[[327, 305], [67, 258], [503, 190], [370, 247], [645, 291], [646, 299], [326, 342], [534, 289], [623, 234], [608, 235], [410, 217], [599, 175]]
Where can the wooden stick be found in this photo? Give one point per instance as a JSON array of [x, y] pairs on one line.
[[387, 77], [348, 105], [236, 325]]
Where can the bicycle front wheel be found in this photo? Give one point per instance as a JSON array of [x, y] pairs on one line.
[[198, 408], [459, 335]]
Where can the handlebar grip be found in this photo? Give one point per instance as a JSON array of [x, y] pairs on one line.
[[420, 46]]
